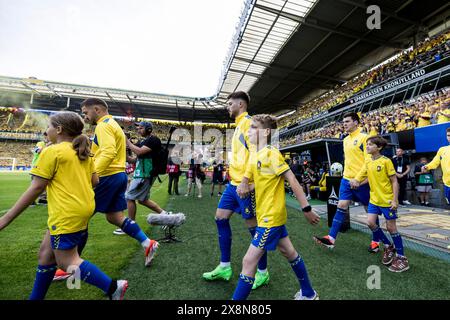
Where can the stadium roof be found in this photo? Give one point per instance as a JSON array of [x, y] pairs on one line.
[[49, 95], [289, 52], [284, 53]]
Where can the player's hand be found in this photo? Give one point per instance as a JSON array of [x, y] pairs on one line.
[[354, 184], [243, 190], [312, 217], [424, 169], [394, 204]]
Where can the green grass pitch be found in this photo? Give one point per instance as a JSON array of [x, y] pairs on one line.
[[177, 269]]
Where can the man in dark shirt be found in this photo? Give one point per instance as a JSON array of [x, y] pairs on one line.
[[140, 185], [402, 168], [217, 177], [297, 170]]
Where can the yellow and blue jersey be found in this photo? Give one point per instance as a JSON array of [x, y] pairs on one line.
[[442, 158], [69, 192], [266, 167], [379, 172], [240, 148], [354, 152], [109, 147]]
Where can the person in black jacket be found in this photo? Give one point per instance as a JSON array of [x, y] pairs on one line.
[[217, 177], [402, 168]]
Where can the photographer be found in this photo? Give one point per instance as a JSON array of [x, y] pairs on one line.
[[140, 185], [195, 174]]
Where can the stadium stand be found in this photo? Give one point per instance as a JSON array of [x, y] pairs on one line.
[[429, 108], [20, 150], [432, 49]]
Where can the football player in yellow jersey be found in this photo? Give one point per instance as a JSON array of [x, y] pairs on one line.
[[66, 169], [355, 154], [109, 149], [384, 190], [442, 159], [237, 196], [269, 170]]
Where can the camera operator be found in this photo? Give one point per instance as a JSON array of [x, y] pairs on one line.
[[195, 174], [140, 185]]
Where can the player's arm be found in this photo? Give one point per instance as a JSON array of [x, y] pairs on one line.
[[310, 215], [95, 180], [107, 145], [360, 178], [395, 189], [37, 186], [244, 188], [408, 169], [138, 150], [434, 163]]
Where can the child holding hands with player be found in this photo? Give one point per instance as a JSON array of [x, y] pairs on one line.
[[66, 170]]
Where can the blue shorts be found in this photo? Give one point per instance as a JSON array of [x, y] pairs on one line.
[[110, 193], [387, 212], [447, 193], [69, 241], [361, 194], [268, 238], [231, 201]]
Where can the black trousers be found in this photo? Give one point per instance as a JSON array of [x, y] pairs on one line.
[[402, 189], [173, 179]]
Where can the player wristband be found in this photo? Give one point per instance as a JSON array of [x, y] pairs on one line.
[[307, 209]]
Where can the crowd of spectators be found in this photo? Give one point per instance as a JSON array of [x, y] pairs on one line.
[[26, 125], [429, 50], [21, 129], [20, 150], [427, 109]]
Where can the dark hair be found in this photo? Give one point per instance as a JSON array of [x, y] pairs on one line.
[[379, 141], [72, 125], [90, 102], [240, 95], [352, 115], [448, 129]]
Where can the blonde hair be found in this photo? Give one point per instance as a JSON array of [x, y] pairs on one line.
[[72, 125], [267, 122]]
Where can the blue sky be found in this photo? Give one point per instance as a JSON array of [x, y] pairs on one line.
[[172, 47]]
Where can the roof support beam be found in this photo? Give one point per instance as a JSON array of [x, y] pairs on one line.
[[277, 12], [389, 14], [321, 25], [28, 87], [285, 69], [354, 43], [53, 90], [178, 110], [116, 103]]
